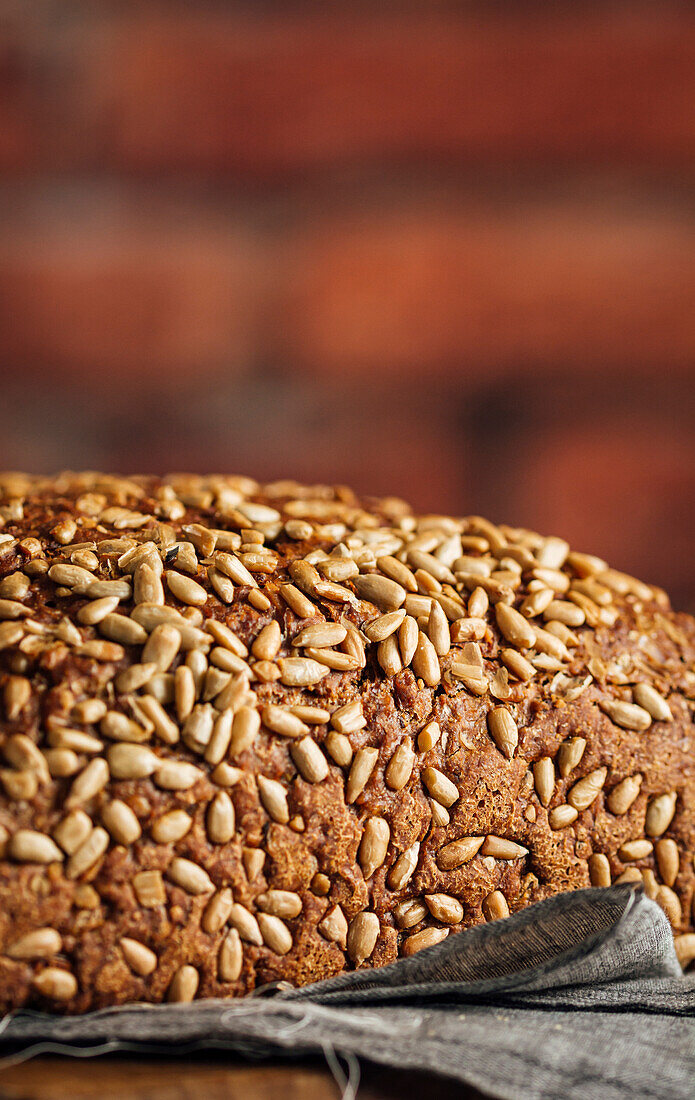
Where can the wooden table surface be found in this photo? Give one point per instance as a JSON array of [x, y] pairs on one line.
[[207, 1077]]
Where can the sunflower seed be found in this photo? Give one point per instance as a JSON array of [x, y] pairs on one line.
[[385, 625], [425, 662], [660, 813], [561, 816], [334, 926], [400, 766], [149, 889], [276, 934], [569, 755], [189, 876], [444, 908], [170, 827], [503, 730], [458, 852], [56, 984], [624, 794], [362, 936], [89, 853], [670, 903], [599, 870], [29, 846], [41, 943], [583, 793], [245, 924], [544, 777], [176, 775], [230, 957], [427, 938], [121, 822], [183, 986], [280, 903], [274, 799], [362, 767], [495, 906], [349, 718], [440, 787], [514, 627], [667, 860], [373, 846], [128, 761], [139, 958], [685, 948], [301, 671], [500, 848], [245, 727], [628, 716], [309, 760], [339, 748], [281, 720], [650, 700], [219, 820], [409, 913], [635, 849]]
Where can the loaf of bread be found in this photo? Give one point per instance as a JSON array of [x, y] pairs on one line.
[[257, 733]]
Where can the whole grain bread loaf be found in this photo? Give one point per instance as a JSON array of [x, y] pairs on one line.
[[256, 733]]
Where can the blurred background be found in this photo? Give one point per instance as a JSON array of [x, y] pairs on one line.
[[439, 250]]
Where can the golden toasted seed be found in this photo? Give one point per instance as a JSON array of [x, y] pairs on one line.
[[20, 786], [135, 677], [599, 870], [41, 943], [503, 730], [30, 846], [404, 868], [495, 906], [245, 727], [122, 629], [162, 646], [97, 610], [500, 848], [389, 656], [398, 572], [409, 913], [400, 766], [217, 911], [23, 753], [444, 908], [635, 849], [131, 761], [628, 716], [121, 822], [518, 665], [301, 671], [186, 589], [384, 593], [349, 718], [297, 601], [478, 603], [176, 775], [56, 984], [280, 903], [245, 924], [91, 780], [73, 830], [71, 576], [147, 585], [276, 934], [563, 611], [632, 874], [309, 760], [660, 813], [624, 794], [189, 876], [339, 748], [651, 886], [438, 630], [585, 790], [561, 816], [374, 845], [267, 643], [119, 727], [184, 985], [458, 852], [315, 716], [281, 720], [171, 826], [440, 787], [274, 799], [362, 936], [428, 736], [427, 938], [253, 859], [320, 635], [334, 926], [408, 636], [536, 602], [514, 627], [670, 903], [569, 754], [219, 819], [385, 625], [139, 958], [650, 700], [230, 957], [360, 771], [685, 948], [164, 726], [62, 763], [425, 662], [667, 860], [89, 853], [544, 778], [184, 692]]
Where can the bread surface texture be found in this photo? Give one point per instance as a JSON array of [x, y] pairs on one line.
[[254, 733]]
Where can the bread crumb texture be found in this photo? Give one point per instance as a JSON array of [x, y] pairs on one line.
[[255, 733]]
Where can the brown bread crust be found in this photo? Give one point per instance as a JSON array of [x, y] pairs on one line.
[[289, 862]]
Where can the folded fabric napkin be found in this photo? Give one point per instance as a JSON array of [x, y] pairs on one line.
[[578, 996]]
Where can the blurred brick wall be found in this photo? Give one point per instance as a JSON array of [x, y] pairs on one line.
[[443, 250]]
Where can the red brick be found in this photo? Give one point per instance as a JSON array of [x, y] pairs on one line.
[[157, 88]]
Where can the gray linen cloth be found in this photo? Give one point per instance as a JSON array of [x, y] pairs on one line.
[[578, 996]]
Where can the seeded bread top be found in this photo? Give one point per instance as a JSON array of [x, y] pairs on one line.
[[153, 629]]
